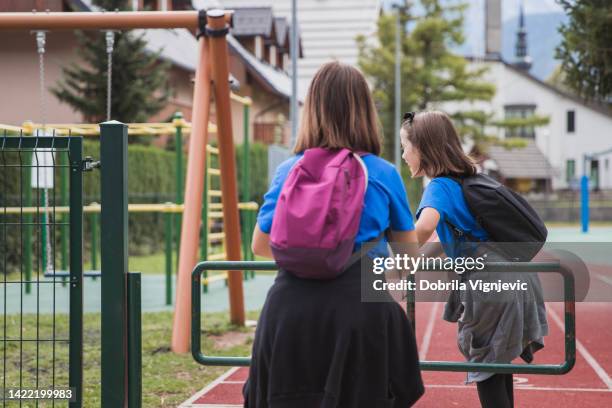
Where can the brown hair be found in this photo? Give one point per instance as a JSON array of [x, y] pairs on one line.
[[435, 138], [339, 112]]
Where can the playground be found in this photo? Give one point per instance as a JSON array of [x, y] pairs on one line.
[[175, 327]]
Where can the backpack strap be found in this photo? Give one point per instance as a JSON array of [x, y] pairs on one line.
[[458, 232], [358, 156]]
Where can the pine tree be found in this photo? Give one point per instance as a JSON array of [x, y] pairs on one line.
[[586, 49], [139, 88]]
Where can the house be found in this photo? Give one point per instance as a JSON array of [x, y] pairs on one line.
[[554, 158], [328, 29], [259, 72], [260, 48]]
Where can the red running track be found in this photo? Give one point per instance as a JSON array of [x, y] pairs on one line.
[[587, 385]]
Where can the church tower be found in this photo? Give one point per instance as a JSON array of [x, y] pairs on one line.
[[523, 60]]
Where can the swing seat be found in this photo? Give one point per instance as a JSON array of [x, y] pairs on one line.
[[66, 274]]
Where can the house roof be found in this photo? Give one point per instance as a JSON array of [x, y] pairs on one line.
[[275, 80], [596, 106], [178, 46], [251, 21], [281, 26], [521, 162]]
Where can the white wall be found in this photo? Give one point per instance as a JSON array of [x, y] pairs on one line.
[[328, 28], [593, 130]]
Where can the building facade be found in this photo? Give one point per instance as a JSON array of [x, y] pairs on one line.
[[564, 148]]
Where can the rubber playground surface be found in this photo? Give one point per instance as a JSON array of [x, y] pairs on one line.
[[587, 385]]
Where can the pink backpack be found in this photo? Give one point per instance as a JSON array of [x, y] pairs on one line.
[[318, 213]]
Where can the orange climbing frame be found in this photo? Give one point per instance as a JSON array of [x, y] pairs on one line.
[[213, 66]]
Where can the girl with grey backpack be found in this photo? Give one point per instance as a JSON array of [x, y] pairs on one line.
[[474, 214]]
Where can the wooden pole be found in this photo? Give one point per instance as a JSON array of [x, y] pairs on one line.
[[192, 216], [231, 224], [119, 20]]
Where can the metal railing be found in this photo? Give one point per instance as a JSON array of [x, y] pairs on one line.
[[512, 267]]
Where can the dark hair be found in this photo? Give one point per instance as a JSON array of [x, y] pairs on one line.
[[339, 112], [436, 140]]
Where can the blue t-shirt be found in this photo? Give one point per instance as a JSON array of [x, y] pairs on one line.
[[385, 201], [445, 195]]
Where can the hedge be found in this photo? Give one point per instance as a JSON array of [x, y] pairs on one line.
[[151, 179]]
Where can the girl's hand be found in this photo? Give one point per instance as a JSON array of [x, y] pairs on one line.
[[261, 243]]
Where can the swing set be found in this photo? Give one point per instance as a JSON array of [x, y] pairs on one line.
[[211, 78]]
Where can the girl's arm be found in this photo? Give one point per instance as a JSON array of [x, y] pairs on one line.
[[426, 224], [425, 228], [403, 243], [261, 243], [404, 237]]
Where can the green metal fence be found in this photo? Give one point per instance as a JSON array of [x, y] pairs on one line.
[[121, 345], [533, 267], [41, 348]]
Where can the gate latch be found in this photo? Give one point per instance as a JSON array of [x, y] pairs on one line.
[[88, 164]]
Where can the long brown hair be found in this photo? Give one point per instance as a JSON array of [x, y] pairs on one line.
[[339, 112], [435, 138]]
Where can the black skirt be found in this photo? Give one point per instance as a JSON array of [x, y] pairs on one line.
[[317, 345]]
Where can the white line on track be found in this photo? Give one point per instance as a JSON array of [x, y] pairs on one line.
[[604, 279], [190, 402], [428, 332], [601, 373], [519, 387]]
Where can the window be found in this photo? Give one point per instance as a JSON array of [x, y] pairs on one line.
[[571, 121], [595, 174], [520, 112], [570, 170], [259, 51]]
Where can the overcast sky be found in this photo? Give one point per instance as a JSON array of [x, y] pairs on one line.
[[510, 7]]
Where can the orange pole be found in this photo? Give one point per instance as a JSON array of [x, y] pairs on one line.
[[192, 215], [118, 20], [99, 20], [231, 224]]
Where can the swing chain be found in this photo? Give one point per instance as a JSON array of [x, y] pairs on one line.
[[41, 37], [110, 44]]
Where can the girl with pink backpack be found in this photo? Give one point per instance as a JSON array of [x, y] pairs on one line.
[[317, 343]]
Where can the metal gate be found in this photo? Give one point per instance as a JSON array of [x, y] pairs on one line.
[[41, 213], [508, 267]]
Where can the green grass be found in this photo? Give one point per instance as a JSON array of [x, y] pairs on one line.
[[167, 378], [156, 264]]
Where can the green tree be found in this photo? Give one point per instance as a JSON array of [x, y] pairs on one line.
[[432, 74], [586, 48], [139, 88]]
